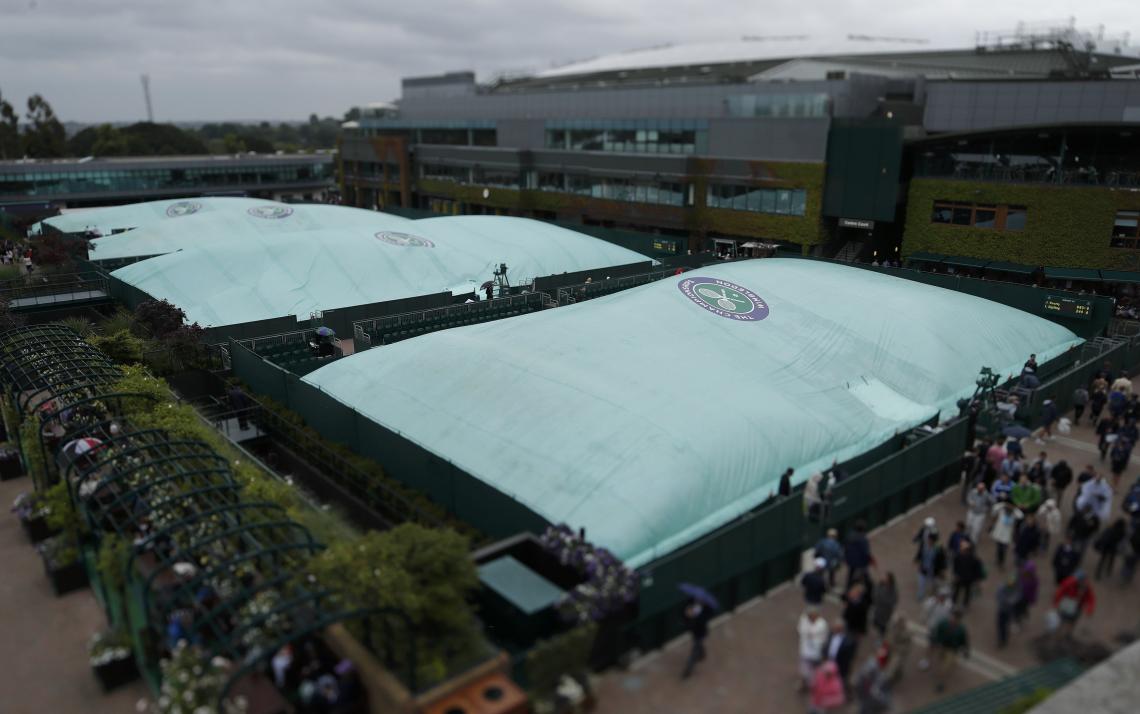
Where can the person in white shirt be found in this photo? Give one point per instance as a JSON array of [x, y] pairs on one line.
[[813, 633]]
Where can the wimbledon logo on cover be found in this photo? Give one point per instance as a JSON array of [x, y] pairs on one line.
[[723, 298]]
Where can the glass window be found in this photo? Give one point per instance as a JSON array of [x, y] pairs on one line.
[[783, 201], [961, 215], [1015, 218], [740, 198], [985, 217], [1127, 224], [768, 201], [799, 202]]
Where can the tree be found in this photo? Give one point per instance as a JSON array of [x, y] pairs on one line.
[[44, 136], [109, 141], [159, 317], [9, 131]]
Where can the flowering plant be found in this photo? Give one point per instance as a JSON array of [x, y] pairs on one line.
[[26, 506], [610, 587], [108, 646], [192, 685]]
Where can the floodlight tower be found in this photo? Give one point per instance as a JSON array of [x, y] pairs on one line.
[[146, 95]]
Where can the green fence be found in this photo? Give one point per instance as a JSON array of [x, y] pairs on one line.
[[466, 497], [763, 549], [1119, 353], [1028, 298]]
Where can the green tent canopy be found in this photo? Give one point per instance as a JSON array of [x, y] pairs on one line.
[[655, 415], [272, 260]]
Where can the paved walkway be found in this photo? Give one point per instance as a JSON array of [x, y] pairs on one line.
[[43, 647], [752, 658]]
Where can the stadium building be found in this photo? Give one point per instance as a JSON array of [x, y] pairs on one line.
[[36, 186], [1020, 151]]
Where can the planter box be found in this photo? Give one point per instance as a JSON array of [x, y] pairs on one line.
[[37, 528], [116, 673], [10, 467], [67, 578]]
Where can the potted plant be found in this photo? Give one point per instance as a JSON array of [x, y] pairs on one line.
[[111, 659], [10, 466], [33, 514], [62, 564]]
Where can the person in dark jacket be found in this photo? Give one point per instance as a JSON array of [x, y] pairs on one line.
[[1097, 401], [931, 562], [1082, 527], [814, 582], [856, 608], [857, 551], [1048, 419], [968, 572], [697, 616], [839, 648], [1066, 560], [1107, 544], [1133, 557], [884, 600], [785, 488], [1027, 540], [1008, 597], [1060, 478]]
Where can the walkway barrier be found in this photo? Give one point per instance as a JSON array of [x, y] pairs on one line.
[[1009, 691], [586, 291], [377, 331], [45, 291]]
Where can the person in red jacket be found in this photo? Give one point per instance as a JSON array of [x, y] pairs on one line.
[[1074, 595]]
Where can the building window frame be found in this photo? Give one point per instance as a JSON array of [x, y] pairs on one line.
[[979, 216]]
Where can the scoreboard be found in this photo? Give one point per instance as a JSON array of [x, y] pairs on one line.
[[1078, 308]]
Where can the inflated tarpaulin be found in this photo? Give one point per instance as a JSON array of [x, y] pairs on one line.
[[289, 260], [141, 215], [657, 414]]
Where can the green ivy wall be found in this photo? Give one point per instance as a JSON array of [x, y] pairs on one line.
[[1066, 226]]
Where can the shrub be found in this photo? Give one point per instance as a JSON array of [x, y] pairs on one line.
[[121, 346], [425, 573], [118, 321], [81, 325]]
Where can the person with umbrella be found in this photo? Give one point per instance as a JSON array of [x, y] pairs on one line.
[[697, 613]]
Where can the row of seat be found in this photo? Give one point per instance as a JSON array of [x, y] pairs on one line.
[[395, 333]]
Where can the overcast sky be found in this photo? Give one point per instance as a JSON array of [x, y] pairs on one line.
[[285, 59]]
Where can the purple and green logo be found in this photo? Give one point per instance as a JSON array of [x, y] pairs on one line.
[[723, 298], [183, 208], [270, 212], [404, 240]]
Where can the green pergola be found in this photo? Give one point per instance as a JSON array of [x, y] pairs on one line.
[[52, 374], [178, 503]]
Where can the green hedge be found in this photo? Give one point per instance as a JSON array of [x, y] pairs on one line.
[[1066, 226]]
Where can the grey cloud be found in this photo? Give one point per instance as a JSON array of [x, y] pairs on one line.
[[278, 59]]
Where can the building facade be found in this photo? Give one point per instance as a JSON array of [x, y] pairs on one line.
[[96, 182], [859, 154]]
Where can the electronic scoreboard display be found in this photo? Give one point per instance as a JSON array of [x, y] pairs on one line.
[[1078, 308]]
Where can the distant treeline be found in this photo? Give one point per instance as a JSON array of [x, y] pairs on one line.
[[41, 135]]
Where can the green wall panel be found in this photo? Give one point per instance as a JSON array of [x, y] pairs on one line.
[[1066, 226]]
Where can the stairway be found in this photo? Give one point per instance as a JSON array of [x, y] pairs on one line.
[[849, 252]]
